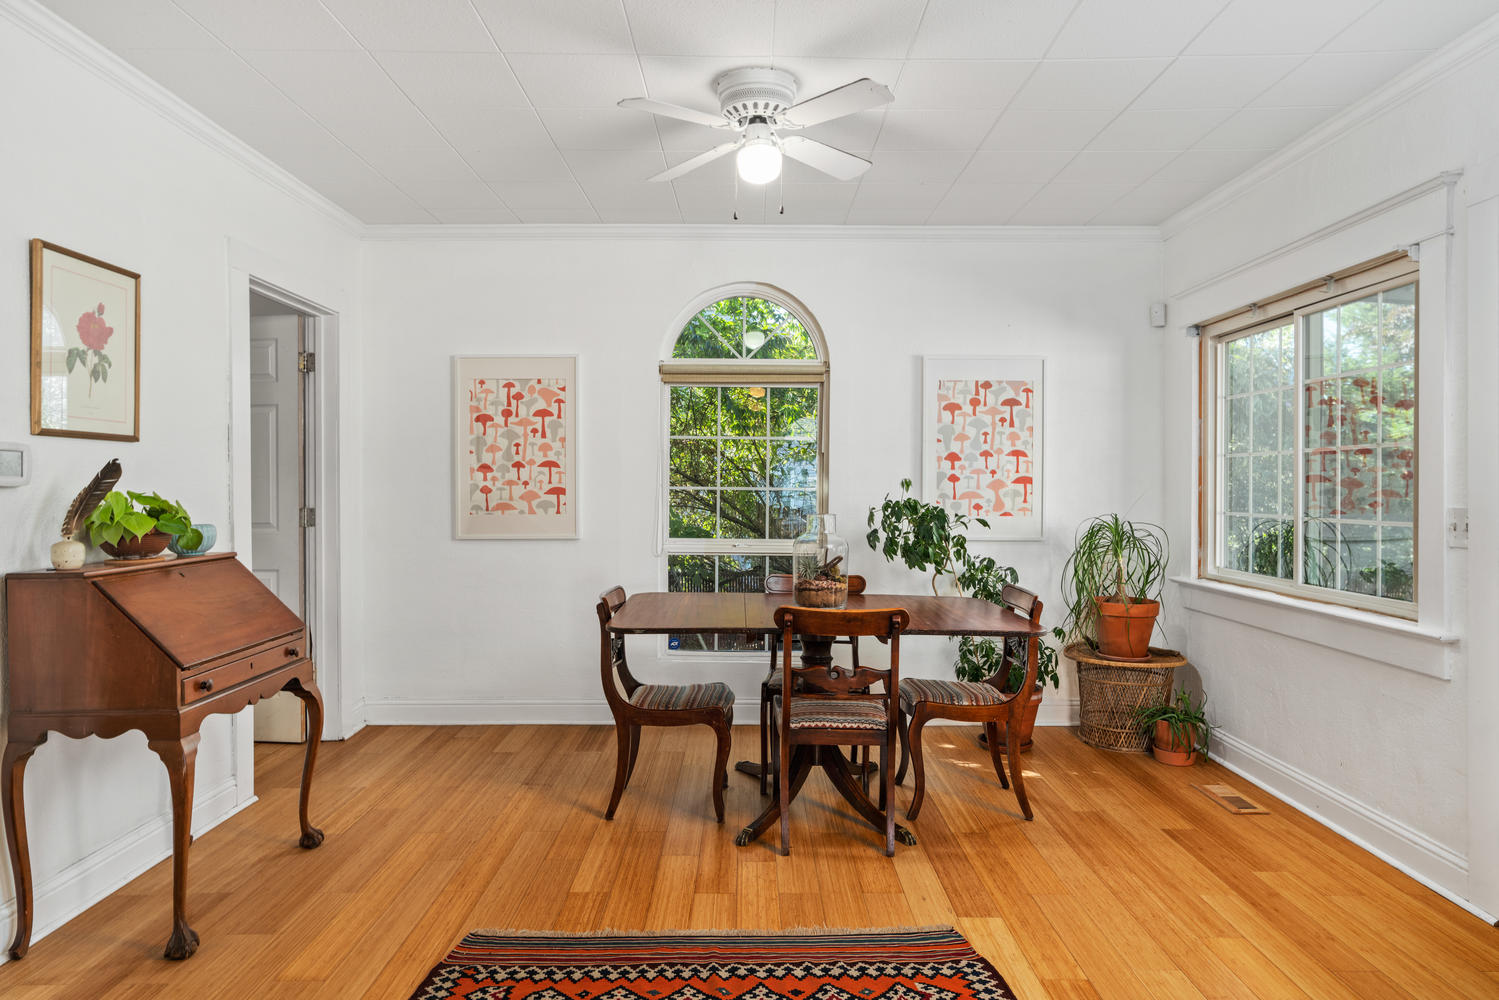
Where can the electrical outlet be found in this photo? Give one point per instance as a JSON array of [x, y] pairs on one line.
[[1457, 527]]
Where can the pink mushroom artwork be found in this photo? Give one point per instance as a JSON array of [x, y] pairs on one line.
[[551, 467], [1017, 454], [970, 496], [1026, 391], [484, 469], [1024, 482], [486, 490], [952, 410], [994, 486], [559, 492], [952, 459], [1011, 402], [954, 479], [541, 413], [529, 498], [986, 455], [984, 388]]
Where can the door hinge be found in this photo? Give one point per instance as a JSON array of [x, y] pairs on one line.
[[306, 362], [307, 517]]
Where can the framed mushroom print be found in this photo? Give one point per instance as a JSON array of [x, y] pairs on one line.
[[85, 346], [515, 465], [981, 441]]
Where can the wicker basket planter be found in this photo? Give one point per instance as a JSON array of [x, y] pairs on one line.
[[1110, 692]]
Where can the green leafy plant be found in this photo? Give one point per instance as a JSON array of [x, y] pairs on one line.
[[1187, 722], [1119, 560], [928, 537], [117, 516]]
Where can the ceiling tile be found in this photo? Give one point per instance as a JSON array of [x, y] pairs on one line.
[[1412, 24], [1013, 167], [1113, 166], [912, 197], [1088, 84], [1151, 202], [1064, 204], [489, 128], [934, 129], [552, 216], [397, 210], [638, 202], [1067, 130], [1264, 128], [851, 132], [404, 165], [1160, 129], [1214, 81], [454, 79], [881, 29], [1216, 165], [522, 195], [688, 80], [476, 216], [577, 26], [903, 166], [887, 215], [374, 129], [402, 26], [716, 204], [135, 24], [449, 195], [961, 83], [1275, 27], [329, 82], [689, 137], [614, 166], [718, 174], [270, 24], [816, 76], [1109, 29], [612, 129], [1331, 79], [812, 204], [692, 27], [502, 165], [981, 204], [989, 29], [577, 81]]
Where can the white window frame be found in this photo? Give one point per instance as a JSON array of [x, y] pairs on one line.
[[720, 372], [1215, 457]]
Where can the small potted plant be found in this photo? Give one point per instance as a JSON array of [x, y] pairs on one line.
[[1112, 584], [126, 531], [1181, 729]]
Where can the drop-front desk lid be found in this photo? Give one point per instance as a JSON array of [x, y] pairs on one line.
[[198, 608]]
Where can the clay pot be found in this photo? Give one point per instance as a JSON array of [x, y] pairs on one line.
[[1168, 751], [67, 554], [1124, 630], [149, 544]]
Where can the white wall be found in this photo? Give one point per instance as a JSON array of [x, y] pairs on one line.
[[1382, 751], [505, 630], [94, 167]]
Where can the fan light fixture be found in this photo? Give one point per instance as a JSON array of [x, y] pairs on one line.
[[759, 158]]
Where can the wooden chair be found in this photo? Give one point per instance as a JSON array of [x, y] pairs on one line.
[[822, 708], [634, 704], [924, 699], [782, 583]]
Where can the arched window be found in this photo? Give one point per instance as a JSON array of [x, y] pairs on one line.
[[745, 433]]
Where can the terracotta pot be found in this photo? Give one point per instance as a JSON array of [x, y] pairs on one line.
[[1168, 751], [1027, 721], [149, 544], [1124, 630]]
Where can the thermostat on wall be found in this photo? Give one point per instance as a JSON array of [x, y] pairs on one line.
[[15, 464]]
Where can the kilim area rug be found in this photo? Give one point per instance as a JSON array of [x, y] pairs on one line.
[[900, 964]]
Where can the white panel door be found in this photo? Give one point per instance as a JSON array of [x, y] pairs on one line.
[[276, 491]]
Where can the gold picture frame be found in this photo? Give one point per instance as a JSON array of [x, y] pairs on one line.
[[85, 346]]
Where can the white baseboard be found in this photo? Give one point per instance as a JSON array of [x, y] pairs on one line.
[[89, 879], [550, 712], [1433, 864]]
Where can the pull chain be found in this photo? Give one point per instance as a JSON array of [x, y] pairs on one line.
[[736, 196]]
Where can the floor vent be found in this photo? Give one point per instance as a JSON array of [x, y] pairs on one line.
[[1228, 798]]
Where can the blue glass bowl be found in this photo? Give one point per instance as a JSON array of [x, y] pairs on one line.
[[210, 535]]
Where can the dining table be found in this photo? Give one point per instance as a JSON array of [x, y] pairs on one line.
[[753, 615]]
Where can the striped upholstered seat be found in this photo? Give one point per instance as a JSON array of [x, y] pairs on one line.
[[676, 697], [939, 692], [824, 713]]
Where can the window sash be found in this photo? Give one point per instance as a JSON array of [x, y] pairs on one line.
[[1392, 274]]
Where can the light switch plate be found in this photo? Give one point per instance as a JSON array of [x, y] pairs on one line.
[[15, 464]]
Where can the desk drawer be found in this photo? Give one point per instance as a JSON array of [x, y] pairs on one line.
[[254, 664]]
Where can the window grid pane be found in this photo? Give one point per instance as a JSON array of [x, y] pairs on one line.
[[1256, 499]]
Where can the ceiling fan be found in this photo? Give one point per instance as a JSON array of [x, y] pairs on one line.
[[758, 103]]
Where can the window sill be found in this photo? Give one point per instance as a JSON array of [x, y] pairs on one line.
[[1399, 643]]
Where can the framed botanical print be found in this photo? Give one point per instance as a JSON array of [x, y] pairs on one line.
[[515, 467], [981, 452], [85, 346]]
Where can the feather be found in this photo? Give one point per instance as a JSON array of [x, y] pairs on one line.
[[90, 497]]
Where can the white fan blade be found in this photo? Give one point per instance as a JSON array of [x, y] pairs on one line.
[[674, 111], [701, 159], [820, 156], [861, 95]]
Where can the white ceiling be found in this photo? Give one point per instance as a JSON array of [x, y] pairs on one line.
[[1026, 112]]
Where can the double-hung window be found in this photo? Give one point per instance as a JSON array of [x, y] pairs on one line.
[[1311, 441], [745, 447]]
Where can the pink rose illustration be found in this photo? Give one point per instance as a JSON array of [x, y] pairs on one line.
[[94, 333], [92, 329]]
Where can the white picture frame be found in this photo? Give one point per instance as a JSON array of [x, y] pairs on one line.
[[515, 416], [994, 432]]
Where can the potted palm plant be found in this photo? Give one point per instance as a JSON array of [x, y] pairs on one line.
[[1111, 584], [1181, 729]]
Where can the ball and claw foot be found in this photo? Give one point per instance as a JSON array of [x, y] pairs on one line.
[[312, 838], [743, 838], [183, 943], [905, 836]]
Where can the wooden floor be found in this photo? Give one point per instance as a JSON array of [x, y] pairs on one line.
[[1128, 884]]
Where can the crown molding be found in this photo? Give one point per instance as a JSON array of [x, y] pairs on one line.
[[62, 36], [750, 233], [1402, 88]]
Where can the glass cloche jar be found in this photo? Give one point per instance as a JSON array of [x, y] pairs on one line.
[[819, 559]]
